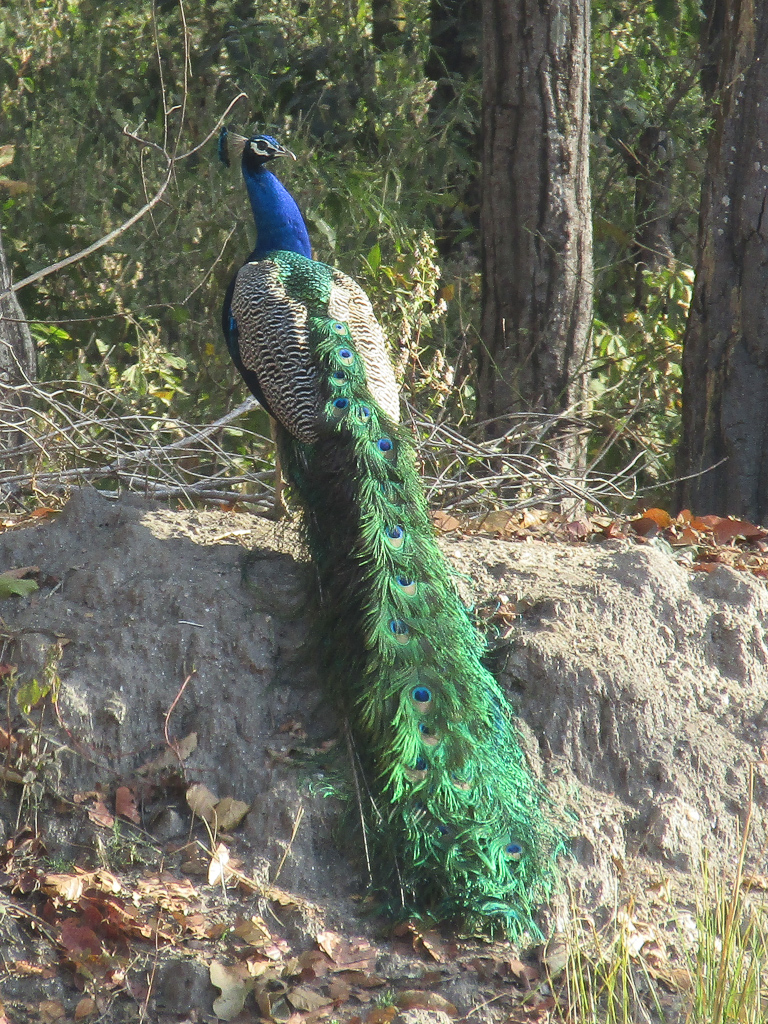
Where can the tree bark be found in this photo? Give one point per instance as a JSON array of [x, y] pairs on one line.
[[725, 355], [535, 212], [454, 64], [18, 358], [650, 164]]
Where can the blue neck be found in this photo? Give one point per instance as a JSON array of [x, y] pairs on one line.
[[279, 224]]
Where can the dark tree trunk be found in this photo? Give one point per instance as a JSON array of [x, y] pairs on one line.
[[388, 24], [454, 65], [650, 164], [535, 211], [18, 358], [725, 356]]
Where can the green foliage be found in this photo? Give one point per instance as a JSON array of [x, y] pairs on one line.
[[637, 378], [11, 585], [141, 317], [381, 174], [30, 694], [644, 75]]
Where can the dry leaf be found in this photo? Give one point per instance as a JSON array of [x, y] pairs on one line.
[[495, 522], [272, 1002], [444, 522], [433, 944], [230, 812], [85, 1008], [645, 527], [125, 804], [313, 963], [100, 814], [51, 1010], [306, 999], [329, 942], [579, 529], [235, 983], [68, 887], [27, 969], [339, 990], [77, 937], [187, 746], [412, 999], [218, 871], [361, 979], [381, 1015], [539, 1013], [657, 515], [725, 531], [202, 802], [171, 756], [555, 956], [524, 975], [755, 882], [254, 931]]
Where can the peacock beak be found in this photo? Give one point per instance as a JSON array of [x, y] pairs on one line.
[[282, 151]]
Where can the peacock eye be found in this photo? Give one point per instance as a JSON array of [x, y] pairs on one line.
[[514, 851], [346, 356], [338, 377], [386, 447], [395, 536], [339, 327], [364, 412], [406, 585], [422, 695], [340, 406], [399, 631], [421, 764], [427, 736]]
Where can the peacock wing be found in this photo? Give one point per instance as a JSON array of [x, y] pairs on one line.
[[349, 304], [273, 340]]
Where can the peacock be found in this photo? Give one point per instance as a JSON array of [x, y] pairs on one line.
[[456, 826]]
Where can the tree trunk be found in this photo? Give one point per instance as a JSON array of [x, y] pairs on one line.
[[454, 107], [650, 164], [535, 212], [725, 356], [18, 359]]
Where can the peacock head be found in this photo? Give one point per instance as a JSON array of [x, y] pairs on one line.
[[256, 150]]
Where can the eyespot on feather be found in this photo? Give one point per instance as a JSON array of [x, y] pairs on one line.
[[386, 447], [408, 586], [345, 355], [337, 377], [421, 697], [338, 327], [363, 413], [340, 407], [395, 536], [400, 631], [514, 851], [428, 737], [416, 774]]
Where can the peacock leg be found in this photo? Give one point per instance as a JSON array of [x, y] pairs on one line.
[[279, 509]]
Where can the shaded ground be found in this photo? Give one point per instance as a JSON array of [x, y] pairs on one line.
[[173, 644]]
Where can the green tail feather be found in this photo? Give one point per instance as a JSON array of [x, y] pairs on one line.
[[456, 826]]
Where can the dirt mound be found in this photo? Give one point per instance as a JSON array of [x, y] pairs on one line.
[[641, 687]]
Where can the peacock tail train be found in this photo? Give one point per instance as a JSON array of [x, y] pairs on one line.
[[457, 825]]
